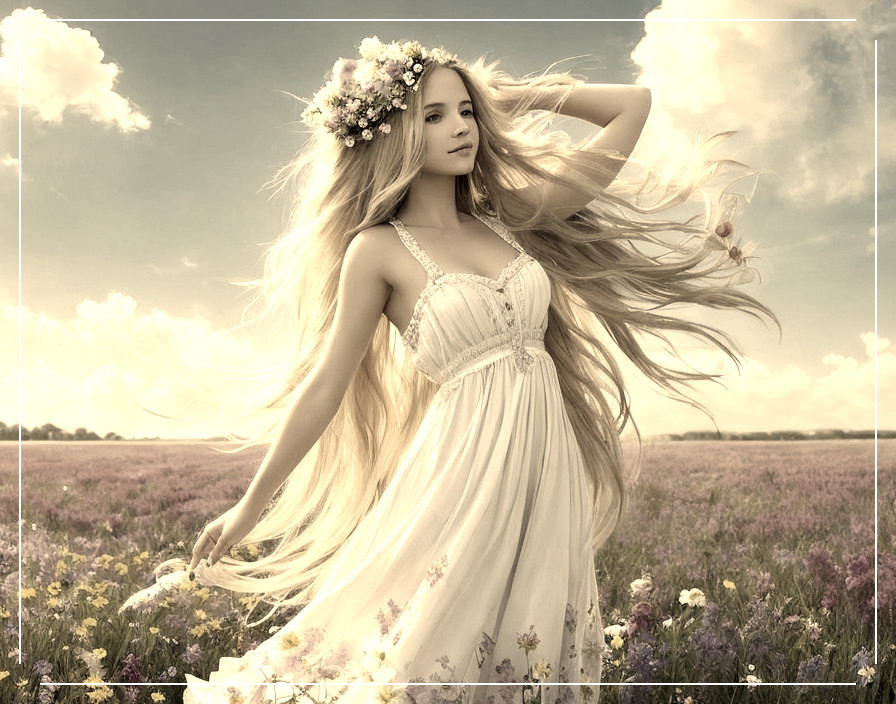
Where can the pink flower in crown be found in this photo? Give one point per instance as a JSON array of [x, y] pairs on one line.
[[367, 135], [393, 70], [344, 70], [352, 105], [385, 127]]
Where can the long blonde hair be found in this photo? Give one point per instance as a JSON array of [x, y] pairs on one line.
[[605, 290]]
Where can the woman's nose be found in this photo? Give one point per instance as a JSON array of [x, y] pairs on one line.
[[462, 127]]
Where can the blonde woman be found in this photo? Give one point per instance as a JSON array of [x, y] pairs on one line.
[[449, 457]]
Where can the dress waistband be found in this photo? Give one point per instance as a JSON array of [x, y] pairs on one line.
[[490, 351]]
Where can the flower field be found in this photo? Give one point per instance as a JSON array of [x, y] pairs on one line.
[[737, 562]]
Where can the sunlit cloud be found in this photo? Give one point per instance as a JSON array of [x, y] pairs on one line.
[[62, 70], [781, 85], [789, 397], [88, 370]]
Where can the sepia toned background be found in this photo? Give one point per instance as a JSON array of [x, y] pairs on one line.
[[146, 147]]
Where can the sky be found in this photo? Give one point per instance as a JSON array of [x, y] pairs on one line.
[[146, 147]]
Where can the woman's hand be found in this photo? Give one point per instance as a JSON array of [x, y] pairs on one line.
[[222, 533]]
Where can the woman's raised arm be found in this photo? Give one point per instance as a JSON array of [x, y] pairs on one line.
[[363, 292], [621, 111]]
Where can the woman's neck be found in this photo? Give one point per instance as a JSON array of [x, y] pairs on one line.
[[430, 202]]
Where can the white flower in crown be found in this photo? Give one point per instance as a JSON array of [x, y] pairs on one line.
[[362, 92]]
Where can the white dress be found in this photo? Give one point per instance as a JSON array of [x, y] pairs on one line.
[[476, 564]]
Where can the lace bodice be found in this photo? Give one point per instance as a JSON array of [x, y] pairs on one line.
[[462, 320]]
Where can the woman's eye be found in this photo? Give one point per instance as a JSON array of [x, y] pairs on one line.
[[433, 118], [467, 112]]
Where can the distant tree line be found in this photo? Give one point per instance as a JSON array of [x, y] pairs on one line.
[[780, 435], [48, 431]]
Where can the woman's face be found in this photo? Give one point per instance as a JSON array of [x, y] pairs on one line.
[[450, 132]]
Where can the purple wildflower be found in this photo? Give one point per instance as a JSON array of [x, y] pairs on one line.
[[862, 662], [640, 618], [818, 563], [192, 654], [42, 667], [860, 585], [131, 670], [811, 670]]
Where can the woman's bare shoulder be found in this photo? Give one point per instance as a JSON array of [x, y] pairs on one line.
[[376, 247]]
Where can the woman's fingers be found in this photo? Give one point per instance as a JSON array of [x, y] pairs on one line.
[[205, 545]]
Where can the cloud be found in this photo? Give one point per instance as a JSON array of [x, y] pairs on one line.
[[10, 160], [765, 397], [799, 93], [62, 69], [87, 370]]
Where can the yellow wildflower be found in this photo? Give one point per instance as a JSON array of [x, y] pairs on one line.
[[88, 622], [290, 641], [252, 549], [4, 613], [27, 593], [157, 697], [100, 694], [200, 615], [617, 642], [52, 602], [121, 568], [105, 560], [154, 630], [214, 624], [140, 558], [198, 631], [100, 653], [728, 584], [98, 602], [204, 593], [4, 674], [54, 588]]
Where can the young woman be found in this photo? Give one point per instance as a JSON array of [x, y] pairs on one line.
[[436, 504]]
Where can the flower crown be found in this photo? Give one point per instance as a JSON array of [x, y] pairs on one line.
[[356, 101]]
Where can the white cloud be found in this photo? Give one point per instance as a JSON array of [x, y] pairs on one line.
[[799, 93], [10, 160], [62, 69], [89, 370], [764, 397], [86, 370]]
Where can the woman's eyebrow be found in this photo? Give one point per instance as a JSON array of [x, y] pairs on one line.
[[429, 106]]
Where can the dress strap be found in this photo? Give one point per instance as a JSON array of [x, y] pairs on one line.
[[414, 248], [496, 226]]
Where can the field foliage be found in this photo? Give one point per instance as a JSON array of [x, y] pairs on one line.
[[748, 563]]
